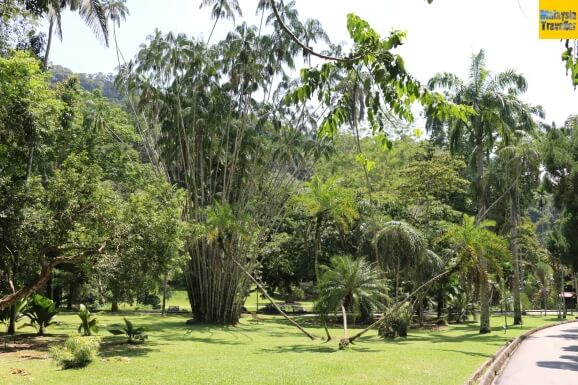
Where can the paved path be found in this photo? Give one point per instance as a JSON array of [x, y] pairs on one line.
[[547, 357]]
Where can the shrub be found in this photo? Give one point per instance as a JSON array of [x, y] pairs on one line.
[[40, 310], [152, 300], [76, 352], [135, 335], [396, 323], [88, 323]]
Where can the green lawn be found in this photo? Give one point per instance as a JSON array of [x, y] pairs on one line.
[[268, 353], [179, 298]]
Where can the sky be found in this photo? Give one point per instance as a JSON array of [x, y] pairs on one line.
[[441, 37]]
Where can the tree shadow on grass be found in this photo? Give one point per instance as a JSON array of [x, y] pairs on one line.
[[301, 349], [112, 346], [473, 354]]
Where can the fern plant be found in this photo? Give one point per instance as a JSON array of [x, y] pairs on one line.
[[135, 335], [88, 324]]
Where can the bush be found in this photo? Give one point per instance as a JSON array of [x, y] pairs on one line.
[[135, 335], [76, 352], [396, 323], [152, 300], [40, 310]]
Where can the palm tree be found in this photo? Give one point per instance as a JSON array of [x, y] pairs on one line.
[[349, 283], [399, 246], [522, 159], [544, 274], [116, 11], [495, 99], [222, 9], [323, 201], [91, 11], [479, 249]]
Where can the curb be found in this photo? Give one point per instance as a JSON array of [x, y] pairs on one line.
[[489, 370]]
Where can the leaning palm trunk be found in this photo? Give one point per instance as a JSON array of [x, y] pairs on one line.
[[345, 342]]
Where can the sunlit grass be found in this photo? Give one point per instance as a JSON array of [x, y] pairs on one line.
[[268, 352]]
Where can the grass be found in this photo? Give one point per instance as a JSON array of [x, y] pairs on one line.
[[268, 352]]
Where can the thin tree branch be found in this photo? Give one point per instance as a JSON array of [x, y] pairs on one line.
[[305, 48]]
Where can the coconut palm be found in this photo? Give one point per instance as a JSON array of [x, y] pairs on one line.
[[116, 11], [222, 9], [348, 283], [91, 11], [480, 250]]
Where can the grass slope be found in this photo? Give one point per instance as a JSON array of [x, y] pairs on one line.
[[269, 352]]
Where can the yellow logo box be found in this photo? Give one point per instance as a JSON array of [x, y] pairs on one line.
[[557, 19]]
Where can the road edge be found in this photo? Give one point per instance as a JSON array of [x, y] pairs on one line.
[[489, 370]]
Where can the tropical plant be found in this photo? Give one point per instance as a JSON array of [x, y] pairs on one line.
[[396, 323], [499, 111], [40, 311], [76, 352], [347, 284], [326, 200], [480, 251], [135, 334], [522, 164], [222, 9], [399, 246], [88, 323], [211, 137], [11, 315], [91, 11]]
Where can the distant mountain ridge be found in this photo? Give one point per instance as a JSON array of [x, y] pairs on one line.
[[89, 82]]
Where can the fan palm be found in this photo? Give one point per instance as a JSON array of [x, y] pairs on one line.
[[399, 246], [349, 283]]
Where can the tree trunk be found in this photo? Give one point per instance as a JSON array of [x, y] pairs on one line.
[[344, 314], [440, 304], [114, 306], [40, 281], [214, 282], [164, 296], [71, 294], [12, 321], [399, 304], [324, 321], [485, 306], [48, 45], [212, 30], [575, 288], [515, 222], [318, 223]]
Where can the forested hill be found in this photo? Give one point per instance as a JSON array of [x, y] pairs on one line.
[[89, 82]]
